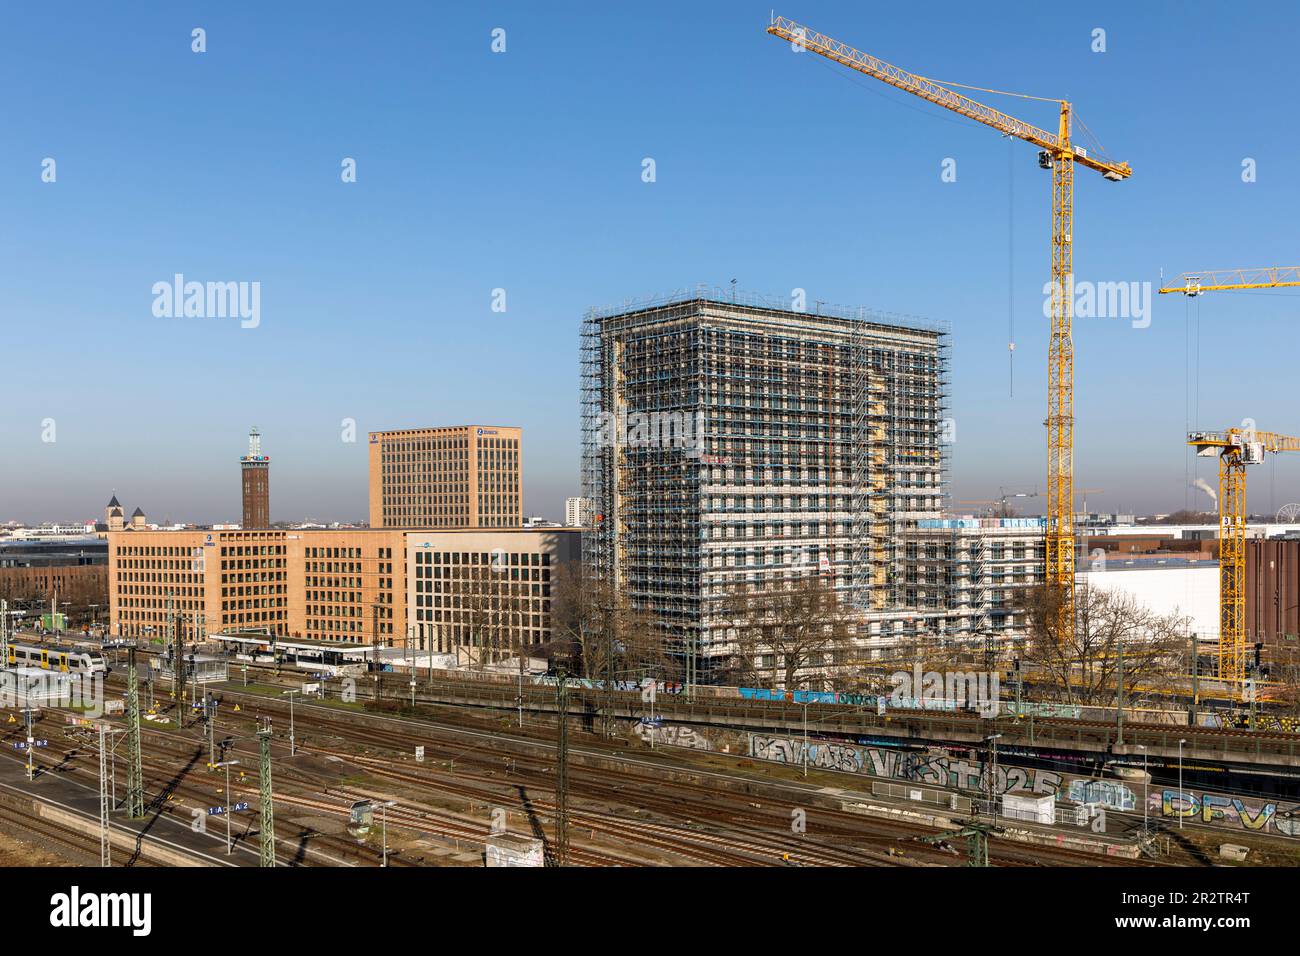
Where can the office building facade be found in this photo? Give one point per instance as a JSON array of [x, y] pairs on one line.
[[466, 476], [346, 586]]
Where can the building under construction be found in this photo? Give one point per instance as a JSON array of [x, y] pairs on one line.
[[731, 441], [961, 576]]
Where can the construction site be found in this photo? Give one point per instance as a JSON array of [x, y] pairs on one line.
[[765, 633], [815, 438]]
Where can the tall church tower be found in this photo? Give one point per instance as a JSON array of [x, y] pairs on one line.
[[113, 516]]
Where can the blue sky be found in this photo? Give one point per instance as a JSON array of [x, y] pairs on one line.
[[522, 171]]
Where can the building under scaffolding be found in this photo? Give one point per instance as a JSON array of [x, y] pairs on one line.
[[962, 575], [736, 441]]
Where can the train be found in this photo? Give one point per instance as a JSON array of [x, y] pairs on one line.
[[68, 660]]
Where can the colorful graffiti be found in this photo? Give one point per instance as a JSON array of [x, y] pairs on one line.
[[1258, 815], [1227, 811], [1278, 723], [808, 696], [1109, 793]]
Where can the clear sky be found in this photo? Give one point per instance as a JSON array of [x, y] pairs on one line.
[[522, 171]]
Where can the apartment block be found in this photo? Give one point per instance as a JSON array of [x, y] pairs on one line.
[[961, 576], [741, 442], [488, 590], [466, 476]]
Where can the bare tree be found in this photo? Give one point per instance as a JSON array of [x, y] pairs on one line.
[[488, 608], [616, 640], [787, 632], [1082, 667]]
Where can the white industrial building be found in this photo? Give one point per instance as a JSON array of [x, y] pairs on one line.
[[1164, 584], [1194, 532]]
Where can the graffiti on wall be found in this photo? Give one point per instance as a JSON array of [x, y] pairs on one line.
[[1109, 793], [1257, 815], [1263, 816], [937, 770], [672, 735], [1278, 723]]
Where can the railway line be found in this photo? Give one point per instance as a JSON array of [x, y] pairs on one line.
[[637, 788], [624, 808], [788, 714]]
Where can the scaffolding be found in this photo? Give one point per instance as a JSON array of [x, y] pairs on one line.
[[970, 570], [729, 438]]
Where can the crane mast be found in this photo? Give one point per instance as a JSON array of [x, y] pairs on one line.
[[1060, 155], [1236, 448]]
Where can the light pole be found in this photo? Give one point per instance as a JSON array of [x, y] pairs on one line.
[[805, 739], [228, 764], [290, 694], [1181, 798], [383, 825], [31, 744], [1146, 784]]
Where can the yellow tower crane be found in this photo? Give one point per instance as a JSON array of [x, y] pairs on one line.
[[1059, 154], [1236, 448], [1226, 280]]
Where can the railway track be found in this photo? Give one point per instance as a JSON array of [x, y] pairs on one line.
[[639, 790], [637, 814], [394, 686]]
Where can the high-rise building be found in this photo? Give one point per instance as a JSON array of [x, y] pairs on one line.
[[465, 476], [735, 443], [255, 471], [575, 512]]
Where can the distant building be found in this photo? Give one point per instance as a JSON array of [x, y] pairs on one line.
[[72, 571], [255, 473], [575, 512], [465, 476], [1273, 591], [1169, 584], [114, 519], [537, 521]]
